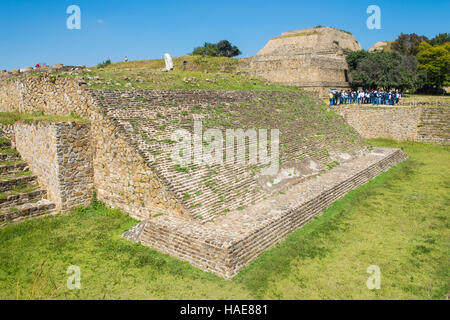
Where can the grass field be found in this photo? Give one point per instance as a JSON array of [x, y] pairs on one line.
[[399, 222], [200, 73], [9, 118]]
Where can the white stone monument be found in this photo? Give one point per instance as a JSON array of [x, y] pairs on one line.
[[169, 63]]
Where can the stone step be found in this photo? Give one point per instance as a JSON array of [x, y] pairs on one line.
[[12, 200], [11, 182], [27, 210], [9, 157], [12, 167]]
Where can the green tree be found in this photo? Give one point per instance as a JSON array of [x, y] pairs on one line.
[[208, 49], [408, 44], [434, 61], [383, 70], [221, 49], [226, 49], [356, 57], [440, 39]]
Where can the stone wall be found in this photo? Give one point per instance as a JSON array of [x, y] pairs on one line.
[[45, 92], [435, 125], [123, 179], [60, 154], [400, 123], [315, 72], [7, 131]]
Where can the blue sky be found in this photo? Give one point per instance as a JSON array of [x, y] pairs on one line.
[[35, 31]]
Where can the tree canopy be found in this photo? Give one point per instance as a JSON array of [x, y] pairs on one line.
[[221, 49], [440, 39], [382, 70], [413, 62], [434, 62], [408, 44]]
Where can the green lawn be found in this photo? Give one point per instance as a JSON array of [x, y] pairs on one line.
[[200, 73], [9, 118], [399, 222]]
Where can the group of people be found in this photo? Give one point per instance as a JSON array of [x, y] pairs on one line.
[[375, 97]]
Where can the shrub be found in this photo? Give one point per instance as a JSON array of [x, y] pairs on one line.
[[104, 64], [208, 49], [221, 49]]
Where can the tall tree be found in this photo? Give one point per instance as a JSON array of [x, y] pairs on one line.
[[355, 57], [383, 70], [440, 39], [227, 50], [434, 61], [208, 49], [408, 44], [222, 49]]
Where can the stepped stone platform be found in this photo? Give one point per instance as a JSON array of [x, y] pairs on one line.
[[311, 138], [233, 241], [218, 217], [20, 195], [313, 59]]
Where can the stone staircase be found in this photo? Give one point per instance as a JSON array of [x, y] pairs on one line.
[[20, 194]]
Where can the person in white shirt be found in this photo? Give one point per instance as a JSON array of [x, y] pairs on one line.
[[360, 97]]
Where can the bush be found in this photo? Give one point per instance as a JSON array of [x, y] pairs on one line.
[[227, 50], [104, 64], [221, 49], [208, 49]]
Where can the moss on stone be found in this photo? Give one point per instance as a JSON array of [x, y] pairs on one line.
[[9, 118]]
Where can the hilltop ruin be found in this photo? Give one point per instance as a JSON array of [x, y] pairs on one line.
[[313, 59]]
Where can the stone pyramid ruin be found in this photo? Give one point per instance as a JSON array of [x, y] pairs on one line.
[[313, 59]]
